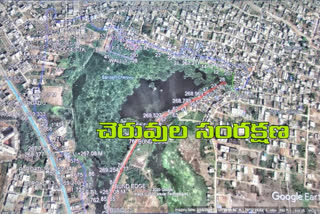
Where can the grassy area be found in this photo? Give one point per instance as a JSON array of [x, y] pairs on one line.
[[312, 161], [171, 171], [38, 192], [28, 137], [213, 73], [259, 146], [90, 26], [194, 116], [182, 179], [297, 185]]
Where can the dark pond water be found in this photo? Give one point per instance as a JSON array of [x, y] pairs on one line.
[[157, 99], [203, 74]]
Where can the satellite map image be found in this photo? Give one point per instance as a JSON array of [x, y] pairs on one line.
[[159, 106]]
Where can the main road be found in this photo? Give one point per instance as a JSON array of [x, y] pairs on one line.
[[134, 145], [43, 140]]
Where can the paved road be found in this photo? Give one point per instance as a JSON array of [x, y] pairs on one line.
[[134, 145], [43, 140]]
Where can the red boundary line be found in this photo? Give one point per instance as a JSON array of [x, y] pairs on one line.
[[137, 141]]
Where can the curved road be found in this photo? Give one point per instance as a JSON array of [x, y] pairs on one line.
[[43, 140]]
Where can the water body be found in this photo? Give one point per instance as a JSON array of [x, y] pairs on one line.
[[156, 96], [203, 74]]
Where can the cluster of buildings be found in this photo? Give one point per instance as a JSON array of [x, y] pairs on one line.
[[271, 48]]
